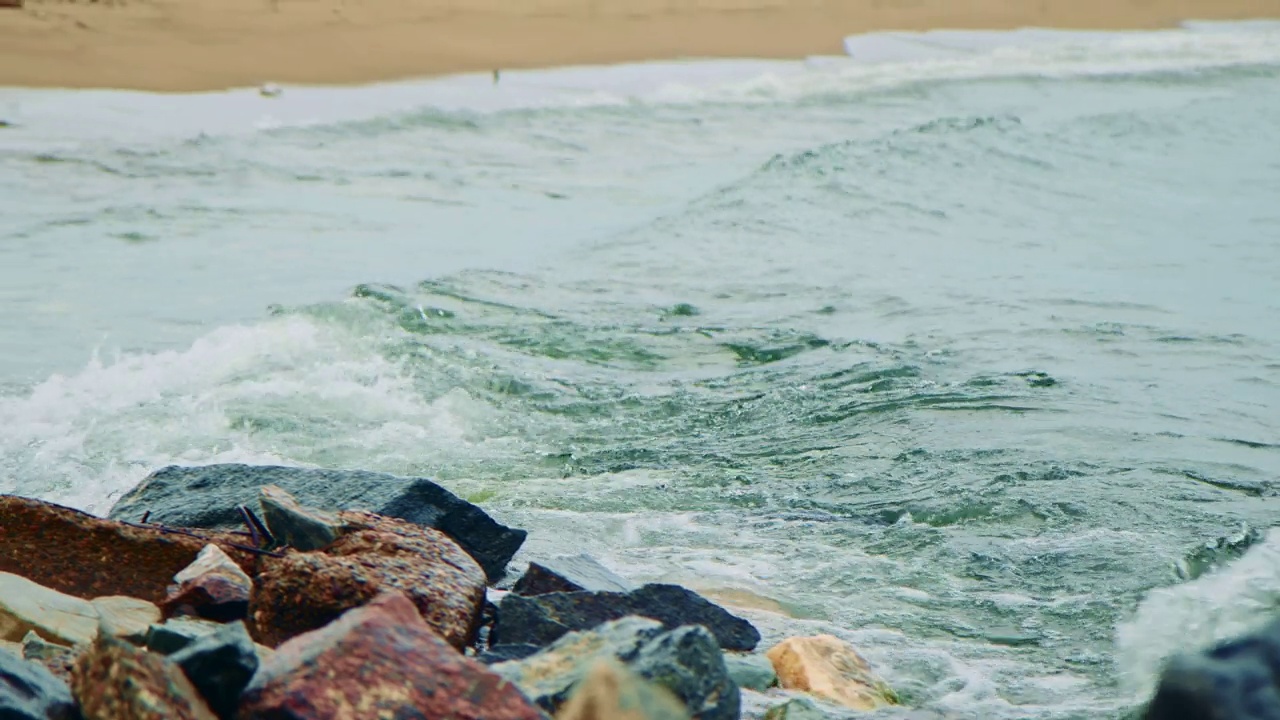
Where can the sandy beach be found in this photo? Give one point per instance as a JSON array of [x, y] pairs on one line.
[[192, 45]]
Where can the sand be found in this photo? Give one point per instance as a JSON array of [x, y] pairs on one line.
[[192, 45]]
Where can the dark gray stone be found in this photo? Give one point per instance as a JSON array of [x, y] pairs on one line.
[[176, 633], [542, 619], [504, 653], [207, 497], [220, 665], [569, 573], [299, 527], [687, 661], [30, 692], [1234, 680]]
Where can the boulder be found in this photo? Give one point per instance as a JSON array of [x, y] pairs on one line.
[[220, 665], [379, 660], [795, 709], [304, 591], [569, 573], [829, 668], [30, 692], [754, 672], [542, 619], [208, 496], [1238, 679], [88, 557], [611, 692], [176, 633], [125, 617], [503, 653], [57, 659], [296, 526], [26, 606], [213, 587], [686, 661], [114, 680]]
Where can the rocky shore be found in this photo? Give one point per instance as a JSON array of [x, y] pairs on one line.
[[252, 592]]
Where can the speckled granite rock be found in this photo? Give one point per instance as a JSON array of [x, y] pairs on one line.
[[114, 680]]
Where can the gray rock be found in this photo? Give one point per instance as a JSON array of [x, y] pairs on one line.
[[542, 619], [299, 527], [687, 661], [503, 653], [220, 665], [796, 709], [29, 692], [207, 497], [569, 573], [57, 659], [1234, 680], [751, 671], [176, 633]]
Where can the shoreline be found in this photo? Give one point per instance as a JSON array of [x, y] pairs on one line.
[[199, 45]]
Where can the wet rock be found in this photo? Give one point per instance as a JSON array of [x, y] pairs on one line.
[[27, 606], [795, 709], [304, 591], [542, 619], [503, 653], [114, 680], [1238, 679], [125, 617], [220, 665], [611, 692], [296, 526], [57, 659], [213, 587], [380, 660], [686, 661], [176, 633], [30, 692], [88, 557], [827, 667], [569, 573], [208, 496], [13, 648], [751, 671]]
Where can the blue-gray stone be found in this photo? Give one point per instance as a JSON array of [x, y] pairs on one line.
[[569, 573], [30, 692], [1234, 680], [207, 497], [754, 672], [176, 633], [220, 665]]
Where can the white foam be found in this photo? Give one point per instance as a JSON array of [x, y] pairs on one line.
[[1194, 615]]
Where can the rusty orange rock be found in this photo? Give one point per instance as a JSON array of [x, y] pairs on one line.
[[827, 667], [306, 590], [88, 557], [114, 680]]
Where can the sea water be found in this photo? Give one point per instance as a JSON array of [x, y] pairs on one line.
[[957, 347]]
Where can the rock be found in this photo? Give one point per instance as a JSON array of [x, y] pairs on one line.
[[57, 659], [30, 692], [295, 526], [795, 709], [304, 591], [1233, 680], [686, 661], [27, 606], [611, 692], [569, 573], [125, 617], [542, 619], [9, 4], [176, 633], [378, 661], [88, 557], [13, 648], [827, 667], [207, 497], [751, 671], [220, 665], [114, 681], [503, 653], [213, 587]]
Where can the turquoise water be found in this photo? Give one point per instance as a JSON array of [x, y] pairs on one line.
[[956, 356]]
